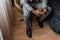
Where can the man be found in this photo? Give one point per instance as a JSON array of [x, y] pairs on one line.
[[33, 7]]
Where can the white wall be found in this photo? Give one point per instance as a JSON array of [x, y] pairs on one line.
[[1, 37], [5, 20]]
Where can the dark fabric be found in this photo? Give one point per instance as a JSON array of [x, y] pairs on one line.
[[34, 1], [54, 17]]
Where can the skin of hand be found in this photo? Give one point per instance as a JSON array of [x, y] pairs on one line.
[[36, 12], [39, 12]]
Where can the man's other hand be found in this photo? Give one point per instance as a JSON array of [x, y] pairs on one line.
[[36, 12]]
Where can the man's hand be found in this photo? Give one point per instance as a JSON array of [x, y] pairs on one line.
[[42, 11], [39, 11], [36, 12]]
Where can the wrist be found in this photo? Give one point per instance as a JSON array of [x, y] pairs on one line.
[[33, 11]]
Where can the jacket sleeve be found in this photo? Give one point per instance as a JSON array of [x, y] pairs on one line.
[[44, 3], [25, 4]]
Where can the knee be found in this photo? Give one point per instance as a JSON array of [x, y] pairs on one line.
[[49, 9]]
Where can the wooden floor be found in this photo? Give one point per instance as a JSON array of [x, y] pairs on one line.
[[19, 30]]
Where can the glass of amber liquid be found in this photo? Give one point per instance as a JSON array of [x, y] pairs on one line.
[[42, 11]]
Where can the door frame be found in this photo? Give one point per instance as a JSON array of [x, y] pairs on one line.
[[6, 19]]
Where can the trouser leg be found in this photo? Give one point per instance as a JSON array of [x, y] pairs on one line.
[[39, 22], [27, 20], [41, 18]]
